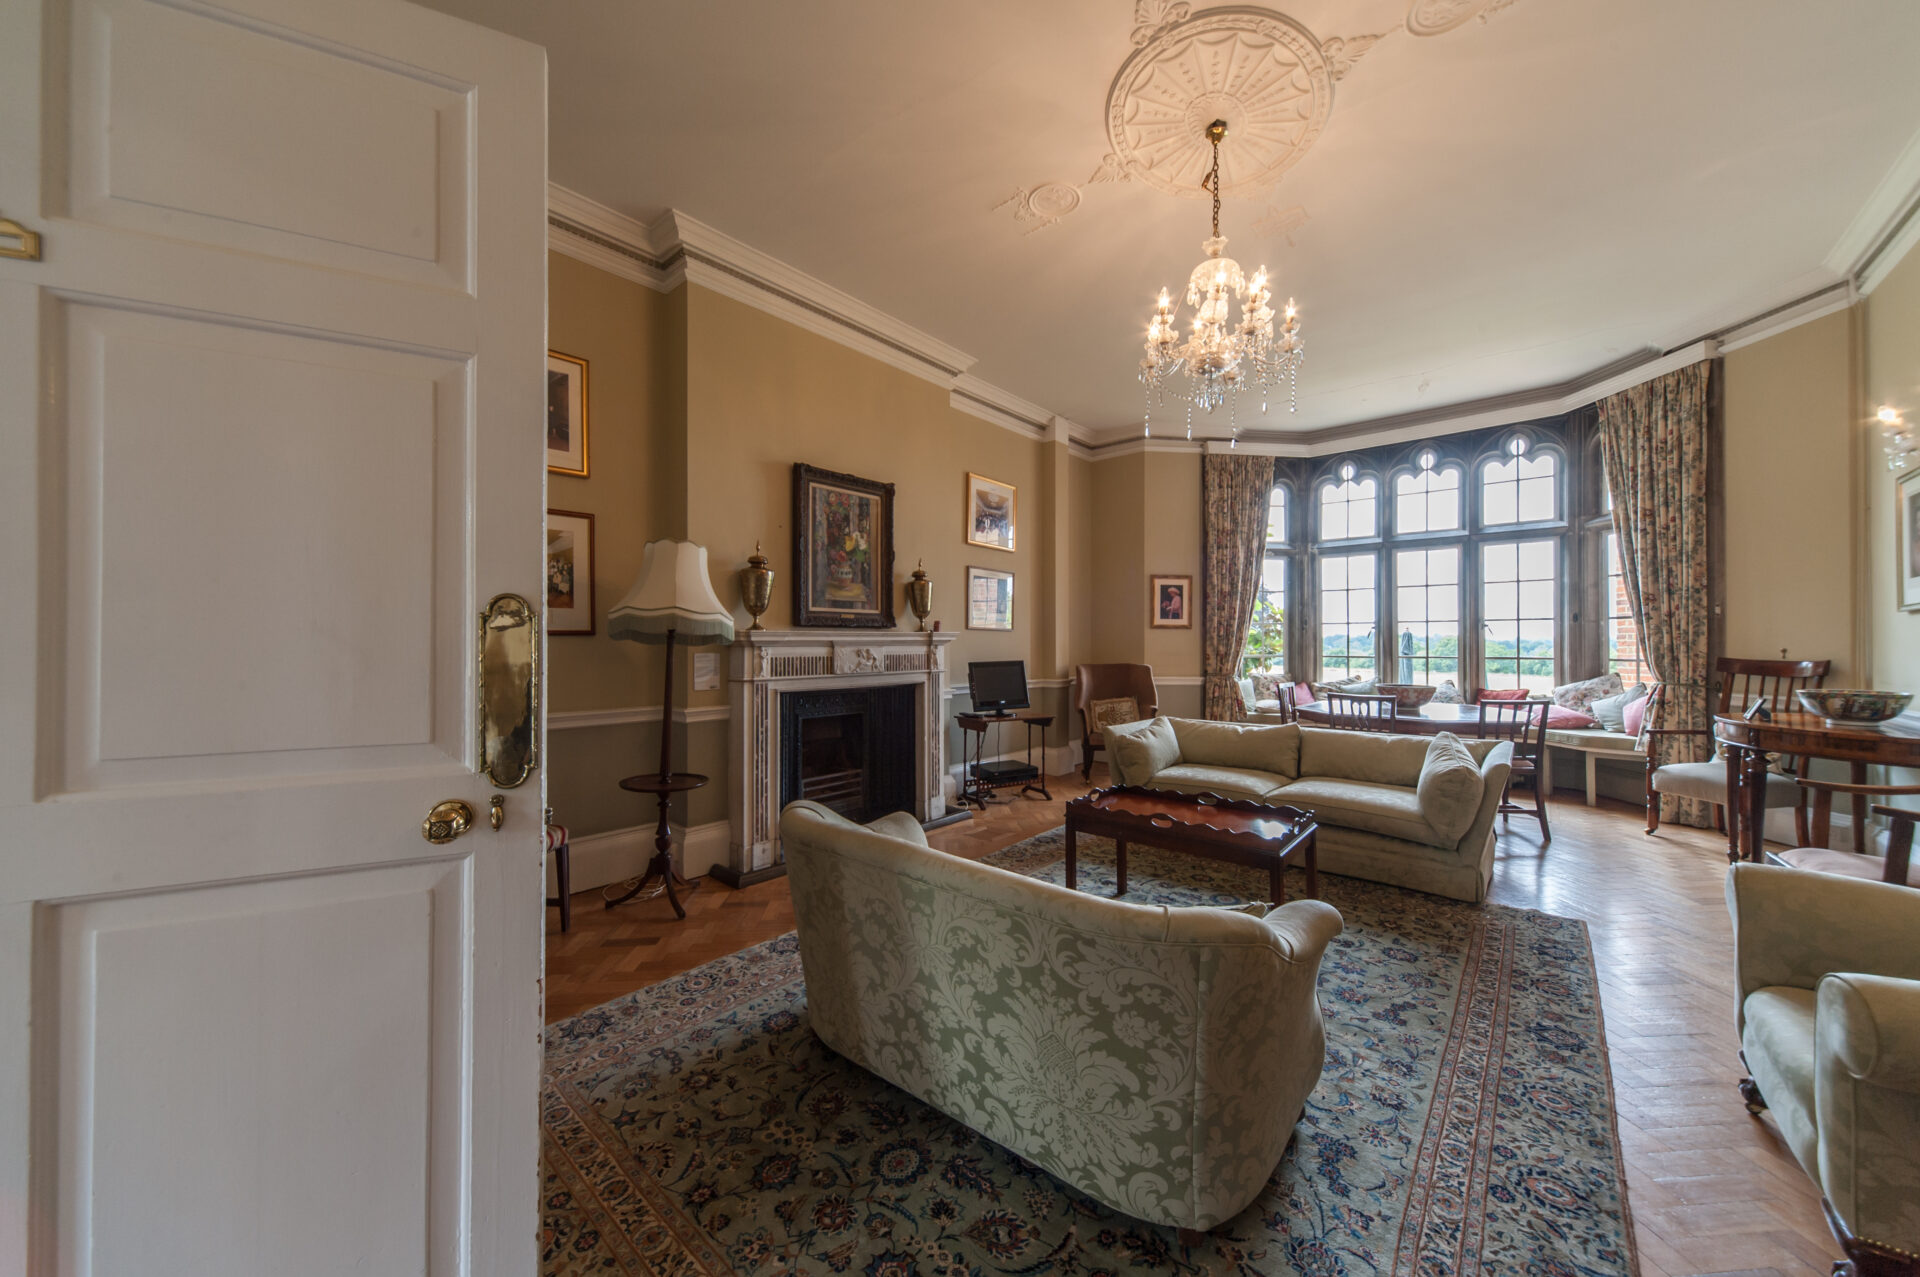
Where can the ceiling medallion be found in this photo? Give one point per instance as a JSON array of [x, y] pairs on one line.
[[1219, 358], [1260, 71]]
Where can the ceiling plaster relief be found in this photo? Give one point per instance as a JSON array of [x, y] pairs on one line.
[[1261, 71], [1437, 17]]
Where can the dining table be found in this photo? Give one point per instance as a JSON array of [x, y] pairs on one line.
[[1747, 742]]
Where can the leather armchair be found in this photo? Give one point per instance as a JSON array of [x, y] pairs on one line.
[[1105, 682], [1829, 1019]]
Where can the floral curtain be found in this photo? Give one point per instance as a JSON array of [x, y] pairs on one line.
[[1234, 492], [1653, 439]]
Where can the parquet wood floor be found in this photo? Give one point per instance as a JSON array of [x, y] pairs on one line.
[[1712, 1190]]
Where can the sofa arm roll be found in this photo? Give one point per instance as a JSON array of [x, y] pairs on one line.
[[901, 825], [1870, 1026], [1304, 928]]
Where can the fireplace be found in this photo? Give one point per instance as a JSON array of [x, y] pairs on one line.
[[849, 749]]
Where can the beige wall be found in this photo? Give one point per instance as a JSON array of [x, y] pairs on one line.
[[1892, 343], [1792, 409]]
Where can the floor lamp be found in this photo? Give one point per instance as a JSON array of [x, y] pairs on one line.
[[672, 602]]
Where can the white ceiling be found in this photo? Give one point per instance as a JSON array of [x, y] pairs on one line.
[[1512, 204]]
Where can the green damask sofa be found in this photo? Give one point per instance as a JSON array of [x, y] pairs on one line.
[[1414, 811], [1155, 1058], [1829, 1019]]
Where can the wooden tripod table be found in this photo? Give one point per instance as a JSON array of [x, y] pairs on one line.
[[1236, 830]]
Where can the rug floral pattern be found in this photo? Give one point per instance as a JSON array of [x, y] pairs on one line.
[[1463, 1124]]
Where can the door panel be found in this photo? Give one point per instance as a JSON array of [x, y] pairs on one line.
[[270, 405], [224, 129]]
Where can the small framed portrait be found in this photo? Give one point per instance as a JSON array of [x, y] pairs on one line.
[[989, 599], [990, 512], [566, 414], [842, 550], [569, 572], [1172, 602], [1906, 550]]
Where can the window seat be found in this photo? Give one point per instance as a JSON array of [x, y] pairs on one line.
[[1594, 743]]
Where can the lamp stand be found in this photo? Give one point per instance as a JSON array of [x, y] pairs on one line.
[[664, 786]]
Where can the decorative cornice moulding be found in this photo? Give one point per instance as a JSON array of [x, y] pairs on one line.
[[1887, 226]]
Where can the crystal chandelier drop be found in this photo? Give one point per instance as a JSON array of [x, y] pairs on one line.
[[1897, 439], [1220, 358]]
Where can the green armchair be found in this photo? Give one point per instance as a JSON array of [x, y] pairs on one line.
[[1829, 1020]]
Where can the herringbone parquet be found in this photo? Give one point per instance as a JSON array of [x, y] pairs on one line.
[[1712, 1190]]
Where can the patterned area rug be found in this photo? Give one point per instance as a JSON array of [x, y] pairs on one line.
[[1464, 1123]]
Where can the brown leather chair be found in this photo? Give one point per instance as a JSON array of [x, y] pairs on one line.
[[1103, 683]]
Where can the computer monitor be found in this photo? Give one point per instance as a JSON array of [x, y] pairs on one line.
[[998, 686]]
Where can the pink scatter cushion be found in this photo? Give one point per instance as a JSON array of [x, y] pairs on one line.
[[1563, 719], [1504, 694], [1634, 716], [1303, 695]]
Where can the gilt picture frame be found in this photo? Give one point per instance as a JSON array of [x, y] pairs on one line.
[[566, 415], [992, 512], [569, 573], [1906, 545], [842, 550], [1170, 602], [989, 599]]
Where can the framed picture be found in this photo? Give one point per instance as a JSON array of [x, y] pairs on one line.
[[566, 414], [569, 572], [1906, 551], [1171, 601], [989, 599], [842, 550], [990, 512]]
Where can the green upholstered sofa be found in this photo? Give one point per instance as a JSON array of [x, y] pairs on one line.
[[1386, 812], [1829, 1018], [1155, 1058]]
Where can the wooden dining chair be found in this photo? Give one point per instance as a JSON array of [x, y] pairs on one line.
[[1742, 683], [1360, 713], [1896, 866], [1524, 723]]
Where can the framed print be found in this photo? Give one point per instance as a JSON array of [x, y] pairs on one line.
[[989, 599], [566, 414], [842, 550], [990, 512], [1906, 550], [569, 572], [1171, 602]]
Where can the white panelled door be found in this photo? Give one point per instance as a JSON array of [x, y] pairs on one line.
[[269, 440]]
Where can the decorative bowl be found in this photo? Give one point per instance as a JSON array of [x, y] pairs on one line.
[[1853, 706], [1406, 696]]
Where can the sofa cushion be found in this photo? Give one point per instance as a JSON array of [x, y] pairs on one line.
[[1369, 756], [1393, 810], [1355, 686], [1578, 696], [1228, 782], [1256, 746], [1633, 718], [1778, 1043], [1611, 710], [1138, 750], [1103, 714], [1450, 787], [1559, 716]]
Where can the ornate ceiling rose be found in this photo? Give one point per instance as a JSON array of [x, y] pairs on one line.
[[1260, 71]]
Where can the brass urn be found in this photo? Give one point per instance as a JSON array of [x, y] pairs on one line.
[[920, 595], [756, 585]]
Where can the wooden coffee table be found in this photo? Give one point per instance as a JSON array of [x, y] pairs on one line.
[[1236, 830]]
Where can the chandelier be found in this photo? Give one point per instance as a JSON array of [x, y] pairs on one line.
[[1219, 358]]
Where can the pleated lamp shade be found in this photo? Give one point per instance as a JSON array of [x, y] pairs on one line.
[[674, 593]]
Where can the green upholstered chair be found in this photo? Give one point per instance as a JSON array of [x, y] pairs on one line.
[[1829, 1017]]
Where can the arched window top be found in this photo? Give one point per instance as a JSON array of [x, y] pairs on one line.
[[1520, 486], [1349, 505], [1428, 499], [1277, 516]]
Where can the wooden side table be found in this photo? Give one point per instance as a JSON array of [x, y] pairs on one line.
[[1747, 743], [661, 866], [977, 781]]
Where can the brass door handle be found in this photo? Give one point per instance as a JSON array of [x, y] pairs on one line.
[[497, 810], [18, 242], [447, 821]]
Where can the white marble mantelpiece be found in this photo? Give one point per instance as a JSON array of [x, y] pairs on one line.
[[764, 665]]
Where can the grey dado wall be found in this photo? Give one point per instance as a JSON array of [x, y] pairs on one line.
[[585, 766]]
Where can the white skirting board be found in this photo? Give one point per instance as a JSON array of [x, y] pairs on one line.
[[614, 855]]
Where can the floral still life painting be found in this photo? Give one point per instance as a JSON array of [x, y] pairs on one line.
[[843, 549]]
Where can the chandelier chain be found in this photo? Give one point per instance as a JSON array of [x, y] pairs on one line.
[[1213, 179]]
